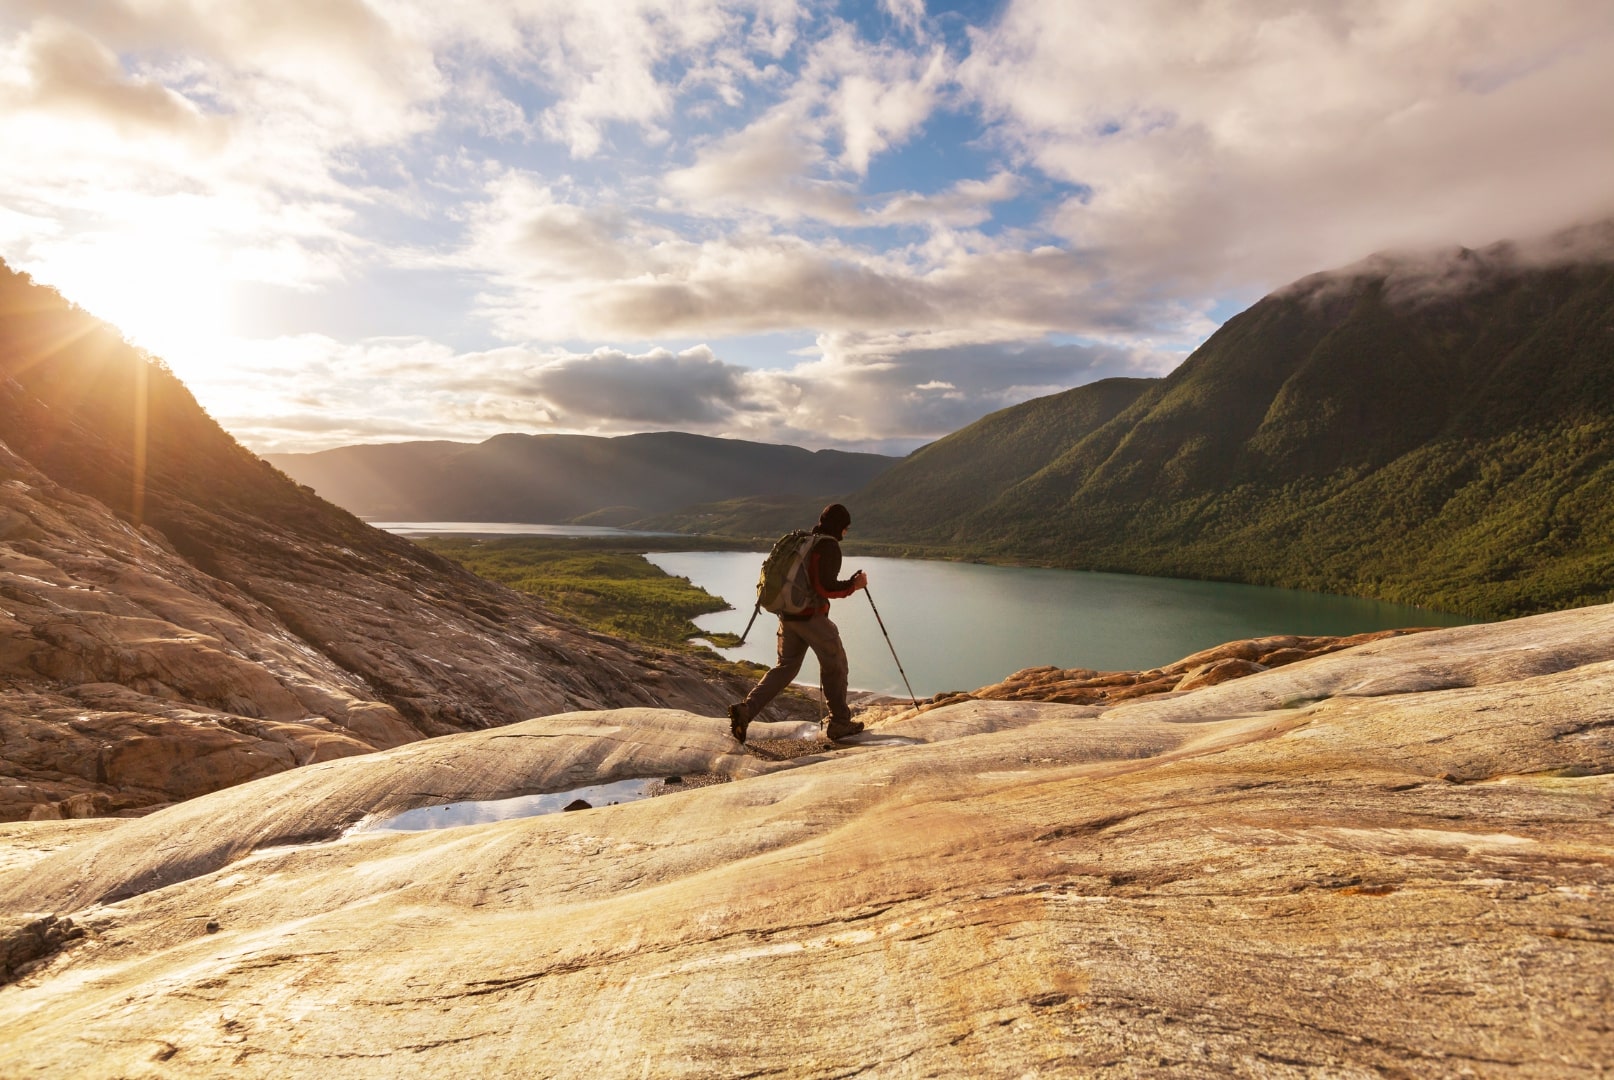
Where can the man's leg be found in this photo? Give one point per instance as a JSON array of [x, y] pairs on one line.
[[824, 637], [792, 651]]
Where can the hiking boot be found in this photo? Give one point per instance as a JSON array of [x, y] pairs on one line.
[[738, 721], [837, 732]]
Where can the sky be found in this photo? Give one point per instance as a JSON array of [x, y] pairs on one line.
[[835, 224]]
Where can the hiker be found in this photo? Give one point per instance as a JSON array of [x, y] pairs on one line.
[[811, 629]]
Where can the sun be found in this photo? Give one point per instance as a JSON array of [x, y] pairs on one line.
[[172, 298]]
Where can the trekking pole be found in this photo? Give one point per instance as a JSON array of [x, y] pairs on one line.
[[890, 646], [750, 624]]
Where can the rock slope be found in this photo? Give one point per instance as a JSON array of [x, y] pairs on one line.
[[176, 616], [1391, 860]]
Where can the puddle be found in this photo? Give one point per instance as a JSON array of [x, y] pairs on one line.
[[876, 738], [480, 812]]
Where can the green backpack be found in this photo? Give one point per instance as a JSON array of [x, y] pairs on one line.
[[784, 587]]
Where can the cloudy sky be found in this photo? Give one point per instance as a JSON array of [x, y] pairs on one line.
[[857, 224]]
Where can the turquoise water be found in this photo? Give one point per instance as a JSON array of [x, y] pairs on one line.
[[958, 626]]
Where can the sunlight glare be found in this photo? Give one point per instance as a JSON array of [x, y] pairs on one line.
[[173, 299]]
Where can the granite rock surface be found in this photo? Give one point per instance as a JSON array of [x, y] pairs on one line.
[[1391, 860]]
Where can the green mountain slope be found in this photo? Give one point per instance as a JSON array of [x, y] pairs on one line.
[[938, 486], [1441, 435], [557, 478]]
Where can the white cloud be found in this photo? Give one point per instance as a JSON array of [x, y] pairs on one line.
[[767, 169], [786, 164], [882, 392], [564, 271], [1249, 141], [55, 67], [908, 14], [875, 97], [968, 202]]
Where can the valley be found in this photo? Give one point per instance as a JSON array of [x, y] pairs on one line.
[[1385, 851]]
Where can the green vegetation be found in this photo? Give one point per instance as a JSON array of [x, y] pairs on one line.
[[760, 517], [1452, 450], [607, 584]]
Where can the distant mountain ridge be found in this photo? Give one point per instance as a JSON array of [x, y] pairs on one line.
[[1438, 432], [561, 478]]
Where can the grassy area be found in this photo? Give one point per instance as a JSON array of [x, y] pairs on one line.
[[603, 583]]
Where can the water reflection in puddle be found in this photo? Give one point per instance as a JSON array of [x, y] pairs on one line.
[[875, 738], [480, 812]]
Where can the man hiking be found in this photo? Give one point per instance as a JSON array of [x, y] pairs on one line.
[[811, 629]]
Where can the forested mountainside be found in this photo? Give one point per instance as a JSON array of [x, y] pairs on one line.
[[1438, 432], [939, 485], [176, 615], [560, 478]]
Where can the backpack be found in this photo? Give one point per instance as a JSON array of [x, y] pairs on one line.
[[784, 586]]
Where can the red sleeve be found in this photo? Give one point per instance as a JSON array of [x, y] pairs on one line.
[[832, 590]]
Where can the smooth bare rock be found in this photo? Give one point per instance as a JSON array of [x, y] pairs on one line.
[[1392, 860], [319, 803], [1217, 672]]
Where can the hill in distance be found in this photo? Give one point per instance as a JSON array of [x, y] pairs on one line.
[[565, 478], [1436, 431]]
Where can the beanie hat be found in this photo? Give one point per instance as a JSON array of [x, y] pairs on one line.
[[834, 519]]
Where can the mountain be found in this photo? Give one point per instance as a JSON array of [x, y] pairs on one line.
[[177, 616], [560, 478], [941, 484], [1433, 431]]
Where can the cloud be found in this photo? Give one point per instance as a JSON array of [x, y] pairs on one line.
[[1415, 277], [882, 392], [968, 202], [897, 393], [614, 62], [766, 168], [786, 164], [1244, 141], [614, 274], [59, 68], [607, 386], [875, 97], [908, 14], [532, 235], [603, 389]]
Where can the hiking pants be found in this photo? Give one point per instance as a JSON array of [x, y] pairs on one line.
[[796, 636]]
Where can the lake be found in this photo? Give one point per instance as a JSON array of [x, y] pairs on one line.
[[958, 626]]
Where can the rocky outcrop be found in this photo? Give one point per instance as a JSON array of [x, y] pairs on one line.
[[176, 616], [1396, 859], [1082, 686]]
